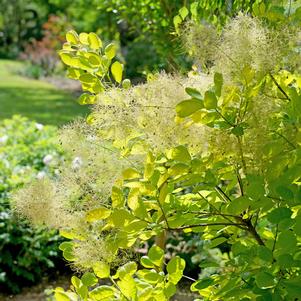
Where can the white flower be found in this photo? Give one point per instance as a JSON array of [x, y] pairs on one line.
[[3, 139], [39, 126], [47, 159], [77, 162], [41, 175], [4, 215]]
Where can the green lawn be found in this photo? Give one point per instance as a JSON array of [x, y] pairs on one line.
[[35, 99]]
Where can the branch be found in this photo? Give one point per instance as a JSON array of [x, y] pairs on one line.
[[218, 212], [222, 194], [243, 162], [206, 225], [276, 235], [253, 232], [290, 143], [223, 117], [279, 87], [240, 182]]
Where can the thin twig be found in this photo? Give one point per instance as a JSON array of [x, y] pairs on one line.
[[222, 194], [223, 117], [206, 225], [240, 182], [218, 212], [276, 235], [283, 137], [279, 87]]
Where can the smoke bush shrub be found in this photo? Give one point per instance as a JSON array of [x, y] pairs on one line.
[[216, 154], [27, 151]]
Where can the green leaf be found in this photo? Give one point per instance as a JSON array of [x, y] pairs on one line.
[[285, 193], [152, 277], [126, 84], [175, 268], [286, 241], [94, 41], [76, 282], [217, 241], [237, 131], [68, 59], [130, 174], [169, 290], [146, 262], [183, 12], [126, 270], [128, 287], [279, 214], [66, 245], [210, 100], [68, 255], [101, 270], [238, 205], [285, 261], [87, 78], [110, 51], [89, 279], [201, 284], [156, 255], [87, 99], [297, 227], [181, 154], [83, 37], [102, 293], [94, 60], [218, 83], [117, 70], [98, 214], [83, 292], [264, 253], [72, 37], [61, 296], [187, 107], [264, 280], [177, 20], [120, 217], [194, 93]]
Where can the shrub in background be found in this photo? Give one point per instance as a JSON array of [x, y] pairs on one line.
[[42, 54], [27, 151]]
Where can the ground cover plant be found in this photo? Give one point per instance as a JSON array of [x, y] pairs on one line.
[[216, 153], [27, 151]]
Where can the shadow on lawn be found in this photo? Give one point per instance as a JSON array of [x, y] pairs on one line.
[[45, 105]]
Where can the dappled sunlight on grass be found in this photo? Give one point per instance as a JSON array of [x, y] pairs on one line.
[[35, 99]]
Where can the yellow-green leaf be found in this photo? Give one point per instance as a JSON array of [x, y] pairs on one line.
[[110, 51], [98, 214], [83, 38], [116, 70], [101, 270], [72, 37], [94, 41]]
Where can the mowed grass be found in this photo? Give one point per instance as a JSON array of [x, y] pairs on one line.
[[37, 100]]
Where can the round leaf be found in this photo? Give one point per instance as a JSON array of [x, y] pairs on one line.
[[117, 70], [110, 51], [94, 41], [187, 107], [210, 100], [264, 280]]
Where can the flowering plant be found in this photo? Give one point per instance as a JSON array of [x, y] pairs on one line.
[[216, 154]]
